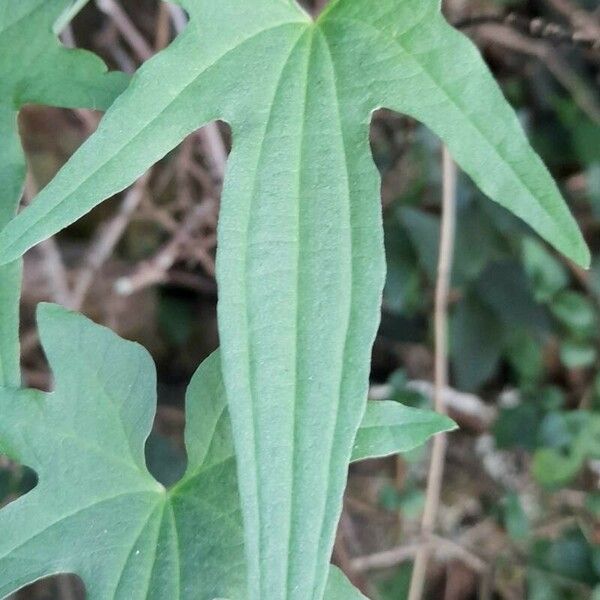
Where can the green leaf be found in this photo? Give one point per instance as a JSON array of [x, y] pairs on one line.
[[389, 428], [474, 230], [592, 503], [576, 312], [97, 511], [552, 468], [398, 585], [569, 556], [557, 466], [339, 588], [577, 355], [505, 288], [517, 426], [476, 342], [542, 587], [524, 353], [35, 68], [515, 518], [547, 275], [300, 265], [423, 230], [421, 66]]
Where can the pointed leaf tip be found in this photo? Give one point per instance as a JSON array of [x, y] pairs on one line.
[[584, 258], [389, 427]]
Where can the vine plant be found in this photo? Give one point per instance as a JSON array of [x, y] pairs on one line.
[[274, 418]]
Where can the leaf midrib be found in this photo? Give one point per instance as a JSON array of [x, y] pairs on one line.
[[351, 262], [311, 46], [256, 478]]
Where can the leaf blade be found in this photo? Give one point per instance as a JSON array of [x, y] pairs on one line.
[[389, 428], [339, 588], [104, 494], [35, 67], [433, 73], [193, 98], [96, 511]]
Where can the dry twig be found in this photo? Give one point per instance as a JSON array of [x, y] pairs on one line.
[[436, 469], [107, 240], [578, 17], [126, 28], [588, 38], [444, 548], [56, 272], [567, 77], [156, 269]]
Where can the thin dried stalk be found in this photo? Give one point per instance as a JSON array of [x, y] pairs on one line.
[[438, 455]]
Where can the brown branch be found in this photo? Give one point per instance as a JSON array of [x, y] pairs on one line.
[[569, 79], [66, 588], [67, 37], [578, 17], [163, 28], [126, 28], [386, 559], [342, 553], [438, 455], [155, 270], [56, 272], [109, 39], [536, 28], [178, 17], [107, 240], [443, 548], [467, 410], [318, 7]]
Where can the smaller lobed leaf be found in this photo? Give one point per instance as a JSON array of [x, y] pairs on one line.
[[97, 512]]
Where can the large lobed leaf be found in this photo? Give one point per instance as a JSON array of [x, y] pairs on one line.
[[35, 69], [97, 511], [300, 263]]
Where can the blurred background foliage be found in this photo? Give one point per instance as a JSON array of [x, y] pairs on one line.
[[520, 515]]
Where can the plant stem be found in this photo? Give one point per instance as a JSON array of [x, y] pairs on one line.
[[438, 455]]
